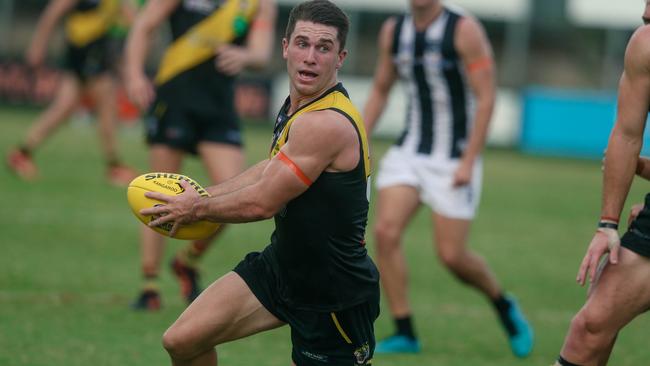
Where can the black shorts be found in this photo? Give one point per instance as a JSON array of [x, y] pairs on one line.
[[183, 116], [90, 60], [319, 338], [637, 237]]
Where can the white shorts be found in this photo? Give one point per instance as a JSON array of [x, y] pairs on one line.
[[433, 179]]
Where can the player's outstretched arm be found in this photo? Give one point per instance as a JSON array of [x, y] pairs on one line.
[[256, 54], [138, 86], [623, 149], [476, 53], [54, 11], [246, 178], [318, 141], [385, 76]]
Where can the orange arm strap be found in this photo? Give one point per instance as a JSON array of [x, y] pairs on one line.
[[261, 24], [296, 170], [479, 64]]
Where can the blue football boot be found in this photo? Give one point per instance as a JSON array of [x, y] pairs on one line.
[[521, 342], [398, 344]]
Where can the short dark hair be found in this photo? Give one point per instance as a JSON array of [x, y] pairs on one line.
[[320, 12]]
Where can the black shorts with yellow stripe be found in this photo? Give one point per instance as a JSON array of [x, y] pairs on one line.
[[90, 60], [637, 237], [339, 338], [196, 106]]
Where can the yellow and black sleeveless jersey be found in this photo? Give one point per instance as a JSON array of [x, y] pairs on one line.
[[318, 242], [198, 28], [90, 20]]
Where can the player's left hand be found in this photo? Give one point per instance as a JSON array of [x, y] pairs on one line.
[[605, 240], [231, 59], [177, 209], [463, 174]]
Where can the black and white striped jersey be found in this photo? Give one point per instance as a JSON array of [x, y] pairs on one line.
[[440, 106]]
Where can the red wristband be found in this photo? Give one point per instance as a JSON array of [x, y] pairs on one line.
[[609, 218]]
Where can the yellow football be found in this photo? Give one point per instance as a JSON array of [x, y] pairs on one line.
[[167, 183]]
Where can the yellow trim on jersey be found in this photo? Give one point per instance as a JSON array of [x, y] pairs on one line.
[[338, 326], [198, 44], [335, 100], [83, 27]]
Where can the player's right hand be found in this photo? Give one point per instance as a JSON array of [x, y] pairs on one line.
[[231, 60], [605, 240], [140, 91]]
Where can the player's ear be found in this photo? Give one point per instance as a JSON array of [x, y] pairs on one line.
[[342, 55], [285, 47]]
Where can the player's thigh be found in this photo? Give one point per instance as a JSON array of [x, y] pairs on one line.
[[222, 160], [621, 291], [163, 158], [68, 92], [225, 311], [396, 205], [102, 88]]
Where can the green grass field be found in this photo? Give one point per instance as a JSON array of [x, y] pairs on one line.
[[69, 262]]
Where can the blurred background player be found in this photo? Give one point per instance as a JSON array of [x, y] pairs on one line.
[[191, 108], [445, 60], [87, 64], [619, 290]]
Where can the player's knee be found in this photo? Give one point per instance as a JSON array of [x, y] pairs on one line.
[[178, 345], [451, 258], [589, 328], [387, 236]]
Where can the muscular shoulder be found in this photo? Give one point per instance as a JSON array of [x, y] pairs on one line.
[[326, 130], [637, 54], [470, 37], [386, 32], [322, 124]]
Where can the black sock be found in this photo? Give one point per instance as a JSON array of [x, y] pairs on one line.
[[502, 306], [564, 362], [405, 326]]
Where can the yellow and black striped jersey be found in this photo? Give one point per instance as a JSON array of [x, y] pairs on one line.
[[90, 20], [198, 28]]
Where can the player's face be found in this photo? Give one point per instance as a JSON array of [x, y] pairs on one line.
[[423, 4], [313, 57]]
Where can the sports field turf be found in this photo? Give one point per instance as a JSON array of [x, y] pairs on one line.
[[69, 262]]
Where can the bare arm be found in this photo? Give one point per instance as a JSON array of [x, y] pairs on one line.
[[232, 59], [318, 141], [53, 13], [138, 87], [626, 139], [623, 148], [385, 76], [476, 54], [246, 178]]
